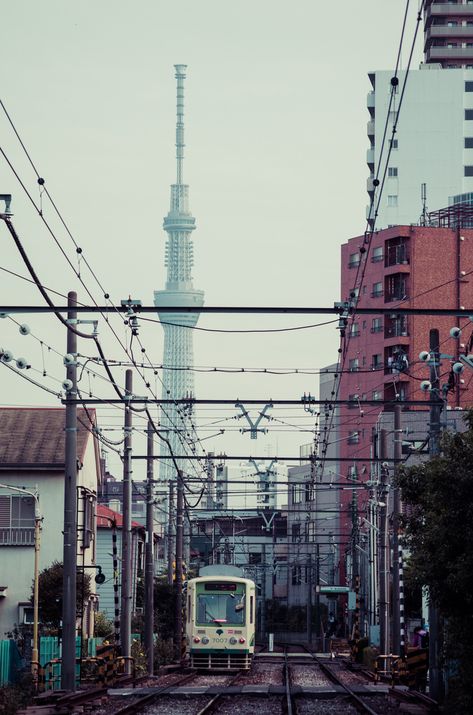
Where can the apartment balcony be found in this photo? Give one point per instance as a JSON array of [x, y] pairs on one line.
[[370, 158], [444, 31], [370, 128], [447, 10], [437, 54], [369, 184]]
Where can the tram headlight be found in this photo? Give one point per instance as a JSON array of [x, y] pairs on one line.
[[205, 640], [233, 640]]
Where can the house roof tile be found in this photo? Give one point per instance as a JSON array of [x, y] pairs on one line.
[[34, 437]]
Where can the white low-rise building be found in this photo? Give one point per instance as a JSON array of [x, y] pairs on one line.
[[32, 457]]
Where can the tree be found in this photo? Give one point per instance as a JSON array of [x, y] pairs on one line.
[[164, 609], [439, 535], [50, 594]]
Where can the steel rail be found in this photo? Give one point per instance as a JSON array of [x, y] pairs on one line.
[[135, 707], [212, 704], [337, 680]]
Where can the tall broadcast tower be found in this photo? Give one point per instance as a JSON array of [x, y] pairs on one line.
[[179, 291]]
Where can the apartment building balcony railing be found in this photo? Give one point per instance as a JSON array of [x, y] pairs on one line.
[[17, 536], [449, 53], [460, 31], [441, 8]]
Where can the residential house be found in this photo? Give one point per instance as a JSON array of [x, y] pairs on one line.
[[32, 456]]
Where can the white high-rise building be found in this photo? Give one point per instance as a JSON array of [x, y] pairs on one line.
[[433, 144], [432, 151]]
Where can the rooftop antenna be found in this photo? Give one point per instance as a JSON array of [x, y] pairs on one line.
[[180, 76], [423, 198]]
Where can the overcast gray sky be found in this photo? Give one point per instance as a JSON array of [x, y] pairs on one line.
[[275, 158]]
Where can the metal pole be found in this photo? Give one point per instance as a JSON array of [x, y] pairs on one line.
[[170, 533], [68, 676], [263, 592], [149, 574], [126, 590], [309, 599], [317, 594], [383, 605], [37, 530], [395, 521], [436, 404], [179, 553]]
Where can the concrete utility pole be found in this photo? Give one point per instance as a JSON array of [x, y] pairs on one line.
[[383, 590], [68, 663], [170, 543], [149, 571], [179, 554], [309, 599], [396, 514], [436, 404], [126, 591]]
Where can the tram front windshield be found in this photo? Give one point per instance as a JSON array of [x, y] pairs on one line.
[[220, 608]]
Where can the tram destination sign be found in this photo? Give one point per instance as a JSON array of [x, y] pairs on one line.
[[332, 590]]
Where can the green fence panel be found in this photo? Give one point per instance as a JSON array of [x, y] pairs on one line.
[[4, 662], [11, 662], [49, 650]]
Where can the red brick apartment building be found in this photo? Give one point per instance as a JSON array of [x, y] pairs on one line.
[[408, 267]]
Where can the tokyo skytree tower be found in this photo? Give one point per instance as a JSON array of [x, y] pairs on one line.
[[179, 291]]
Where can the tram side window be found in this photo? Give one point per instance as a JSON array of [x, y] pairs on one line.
[[251, 609], [189, 609]]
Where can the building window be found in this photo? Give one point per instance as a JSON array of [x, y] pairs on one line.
[[354, 330], [352, 473], [354, 365], [377, 361], [392, 171], [16, 520], [468, 113], [297, 491], [376, 325], [353, 438], [377, 395], [377, 255], [296, 532], [393, 116], [296, 575], [468, 142], [354, 293], [377, 290], [309, 491], [355, 398], [392, 200], [354, 260], [468, 170], [394, 143]]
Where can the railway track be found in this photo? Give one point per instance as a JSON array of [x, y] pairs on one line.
[[290, 683]]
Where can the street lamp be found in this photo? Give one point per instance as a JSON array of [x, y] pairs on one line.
[[37, 529]]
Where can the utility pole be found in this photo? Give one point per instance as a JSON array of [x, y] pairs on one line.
[[68, 662], [436, 404], [179, 554], [149, 571], [126, 591], [263, 591], [383, 605], [170, 533], [395, 522], [309, 599]]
